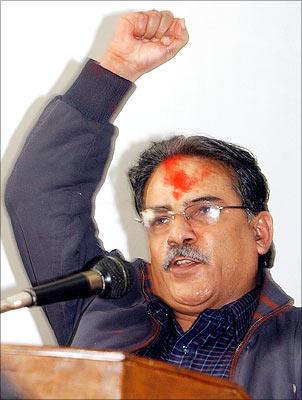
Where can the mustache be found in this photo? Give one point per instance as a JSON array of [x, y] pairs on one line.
[[184, 251]]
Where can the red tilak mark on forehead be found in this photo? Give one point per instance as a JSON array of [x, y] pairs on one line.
[[176, 194], [177, 177]]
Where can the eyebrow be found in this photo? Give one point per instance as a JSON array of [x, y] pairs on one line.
[[205, 199]]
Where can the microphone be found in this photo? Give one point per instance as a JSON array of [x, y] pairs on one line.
[[109, 277]]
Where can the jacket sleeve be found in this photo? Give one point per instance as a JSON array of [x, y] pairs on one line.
[[49, 193]]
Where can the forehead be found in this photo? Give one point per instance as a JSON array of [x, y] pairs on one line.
[[180, 178]]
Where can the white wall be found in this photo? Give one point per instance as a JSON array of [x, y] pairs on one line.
[[238, 79]]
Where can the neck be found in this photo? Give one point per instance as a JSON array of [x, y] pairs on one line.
[[185, 321]]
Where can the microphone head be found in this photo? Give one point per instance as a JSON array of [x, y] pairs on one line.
[[118, 276]]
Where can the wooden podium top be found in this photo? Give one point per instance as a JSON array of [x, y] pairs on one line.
[[69, 373]]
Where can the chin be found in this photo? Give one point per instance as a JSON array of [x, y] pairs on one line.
[[193, 298]]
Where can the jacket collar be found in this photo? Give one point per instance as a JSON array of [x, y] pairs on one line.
[[272, 297]]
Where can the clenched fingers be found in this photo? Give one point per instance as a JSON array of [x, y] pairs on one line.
[[165, 23], [176, 36], [154, 18], [151, 25]]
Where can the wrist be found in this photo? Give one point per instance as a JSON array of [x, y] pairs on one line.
[[96, 92], [119, 66]]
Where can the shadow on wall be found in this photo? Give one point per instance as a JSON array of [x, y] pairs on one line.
[[14, 147], [8, 161]]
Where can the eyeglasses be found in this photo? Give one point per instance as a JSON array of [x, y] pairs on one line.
[[159, 221]]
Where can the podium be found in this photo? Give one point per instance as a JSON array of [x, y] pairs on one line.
[[36, 372]]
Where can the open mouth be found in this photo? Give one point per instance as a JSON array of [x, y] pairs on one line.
[[183, 262]]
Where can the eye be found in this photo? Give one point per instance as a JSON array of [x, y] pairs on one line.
[[160, 220], [202, 210], [205, 213]]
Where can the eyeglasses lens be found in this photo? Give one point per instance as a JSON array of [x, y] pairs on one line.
[[202, 214]]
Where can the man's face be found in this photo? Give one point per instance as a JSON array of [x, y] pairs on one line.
[[230, 245]]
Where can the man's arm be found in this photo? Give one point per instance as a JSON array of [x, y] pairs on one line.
[[49, 192], [48, 195]]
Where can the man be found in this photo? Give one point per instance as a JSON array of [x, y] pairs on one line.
[[205, 300]]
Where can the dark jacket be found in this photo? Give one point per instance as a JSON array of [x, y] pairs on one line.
[[48, 197]]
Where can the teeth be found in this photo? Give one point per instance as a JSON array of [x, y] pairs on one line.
[[180, 262]]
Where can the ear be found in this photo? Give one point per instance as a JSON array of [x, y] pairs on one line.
[[263, 230]]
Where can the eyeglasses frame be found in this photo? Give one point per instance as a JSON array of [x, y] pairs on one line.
[[174, 213]]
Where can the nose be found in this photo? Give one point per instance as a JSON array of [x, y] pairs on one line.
[[181, 232]]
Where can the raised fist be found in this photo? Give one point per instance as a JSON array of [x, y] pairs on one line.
[[143, 41]]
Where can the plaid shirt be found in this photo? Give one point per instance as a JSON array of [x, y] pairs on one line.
[[209, 345]]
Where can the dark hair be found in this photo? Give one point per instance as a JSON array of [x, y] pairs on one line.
[[250, 183]]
